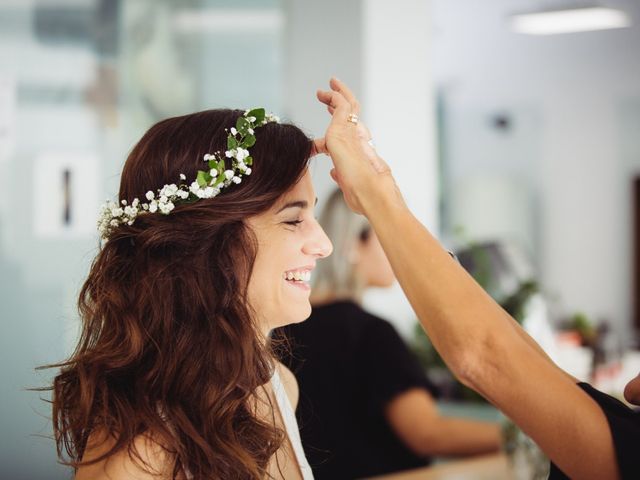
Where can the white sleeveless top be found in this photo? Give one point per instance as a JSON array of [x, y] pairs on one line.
[[291, 425]]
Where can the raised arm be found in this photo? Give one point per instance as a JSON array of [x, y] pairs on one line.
[[481, 344]]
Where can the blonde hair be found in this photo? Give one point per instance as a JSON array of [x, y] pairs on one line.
[[336, 276]]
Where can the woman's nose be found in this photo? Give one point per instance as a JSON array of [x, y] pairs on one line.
[[318, 243]]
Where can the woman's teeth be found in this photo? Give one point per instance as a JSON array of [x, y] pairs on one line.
[[298, 276]]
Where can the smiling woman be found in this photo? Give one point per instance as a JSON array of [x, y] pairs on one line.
[[290, 240], [173, 374]]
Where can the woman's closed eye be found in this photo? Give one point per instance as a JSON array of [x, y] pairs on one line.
[[294, 223]]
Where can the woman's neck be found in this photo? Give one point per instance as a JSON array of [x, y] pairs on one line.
[[324, 298]]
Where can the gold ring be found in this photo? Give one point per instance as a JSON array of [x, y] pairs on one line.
[[353, 118]]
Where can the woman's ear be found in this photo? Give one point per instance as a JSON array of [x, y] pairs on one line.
[[354, 252]]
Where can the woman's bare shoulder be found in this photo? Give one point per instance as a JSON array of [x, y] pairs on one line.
[[153, 462], [290, 384]]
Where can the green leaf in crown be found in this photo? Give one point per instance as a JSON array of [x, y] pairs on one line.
[[202, 179], [248, 141], [258, 113], [242, 125]]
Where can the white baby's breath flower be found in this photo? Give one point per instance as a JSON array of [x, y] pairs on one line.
[[251, 119], [230, 153], [165, 208], [153, 206], [234, 132], [183, 176], [207, 156], [250, 131], [116, 212], [209, 192], [135, 202], [183, 194], [213, 172], [149, 195], [236, 180], [168, 190], [228, 174], [241, 154], [114, 223], [247, 171], [194, 187], [124, 202]]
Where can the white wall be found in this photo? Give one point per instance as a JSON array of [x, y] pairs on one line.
[[584, 90], [381, 49]]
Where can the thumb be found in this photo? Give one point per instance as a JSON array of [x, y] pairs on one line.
[[319, 146]]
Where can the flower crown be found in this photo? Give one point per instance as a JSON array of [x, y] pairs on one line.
[[208, 183]]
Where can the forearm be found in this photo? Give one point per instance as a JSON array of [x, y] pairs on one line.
[[461, 437], [459, 317], [489, 352]]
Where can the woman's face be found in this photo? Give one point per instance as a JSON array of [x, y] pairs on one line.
[[290, 241], [373, 266]]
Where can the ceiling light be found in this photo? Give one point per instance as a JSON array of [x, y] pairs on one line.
[[240, 21], [569, 21]]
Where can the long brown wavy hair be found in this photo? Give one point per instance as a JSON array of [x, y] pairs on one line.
[[169, 344]]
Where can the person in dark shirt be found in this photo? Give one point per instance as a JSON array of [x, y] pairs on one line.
[[366, 407], [586, 434]]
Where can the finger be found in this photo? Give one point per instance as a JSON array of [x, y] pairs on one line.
[[319, 147], [336, 101], [325, 97], [339, 86], [331, 98]]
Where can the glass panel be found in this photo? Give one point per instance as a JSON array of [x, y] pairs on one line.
[[80, 81]]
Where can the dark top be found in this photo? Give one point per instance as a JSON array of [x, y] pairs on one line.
[[349, 364], [625, 430]]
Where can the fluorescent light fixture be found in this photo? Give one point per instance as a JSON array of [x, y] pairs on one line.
[[569, 21], [218, 20]]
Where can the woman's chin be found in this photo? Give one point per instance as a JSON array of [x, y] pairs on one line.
[[304, 311], [299, 314]]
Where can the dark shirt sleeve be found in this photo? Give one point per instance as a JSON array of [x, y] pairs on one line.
[[389, 367], [625, 430], [624, 424]]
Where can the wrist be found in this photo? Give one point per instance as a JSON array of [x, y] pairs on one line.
[[380, 198]]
